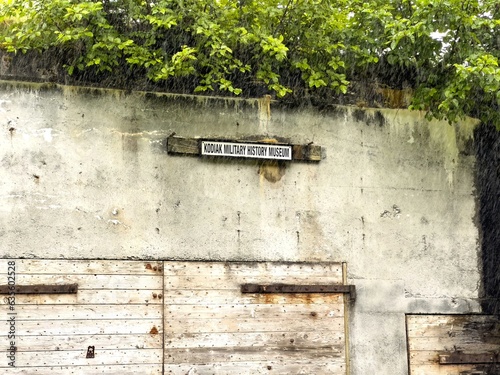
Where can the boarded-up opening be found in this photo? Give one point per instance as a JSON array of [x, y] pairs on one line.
[[453, 344], [211, 327], [133, 317], [112, 324]]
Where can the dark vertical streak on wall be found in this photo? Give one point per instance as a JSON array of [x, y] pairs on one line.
[[487, 140]]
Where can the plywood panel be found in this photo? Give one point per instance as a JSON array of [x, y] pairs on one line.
[[432, 335], [212, 328], [118, 310]]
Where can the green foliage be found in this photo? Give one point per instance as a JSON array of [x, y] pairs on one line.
[[446, 50]]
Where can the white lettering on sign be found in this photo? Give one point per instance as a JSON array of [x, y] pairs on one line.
[[246, 150]]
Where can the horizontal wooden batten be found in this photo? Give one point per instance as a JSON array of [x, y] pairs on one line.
[[39, 289], [288, 288], [458, 358], [193, 146]]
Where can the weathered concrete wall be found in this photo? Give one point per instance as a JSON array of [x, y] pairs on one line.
[[85, 174]]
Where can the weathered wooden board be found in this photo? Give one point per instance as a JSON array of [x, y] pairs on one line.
[[117, 310], [83, 327], [191, 146], [234, 296], [254, 311], [93, 282], [78, 357], [213, 328], [84, 267], [227, 324], [87, 370], [430, 336], [318, 367], [75, 342], [253, 354], [296, 339], [78, 312], [92, 297]]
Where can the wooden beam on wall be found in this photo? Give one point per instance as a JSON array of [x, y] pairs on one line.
[[192, 146]]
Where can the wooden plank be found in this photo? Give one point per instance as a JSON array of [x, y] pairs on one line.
[[186, 146], [446, 344], [443, 370], [258, 311], [296, 288], [69, 267], [102, 311], [307, 152], [315, 273], [30, 288], [181, 324], [195, 356], [234, 296], [191, 146], [91, 281], [87, 327], [78, 357], [470, 327], [320, 367], [456, 358], [203, 282], [93, 297], [144, 369], [186, 340], [432, 336], [79, 341]]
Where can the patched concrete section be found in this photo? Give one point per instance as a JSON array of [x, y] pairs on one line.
[[84, 173]]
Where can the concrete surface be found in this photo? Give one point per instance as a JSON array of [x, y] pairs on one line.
[[84, 173]]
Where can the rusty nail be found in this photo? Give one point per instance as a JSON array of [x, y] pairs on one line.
[[269, 367], [314, 313], [148, 266], [155, 295], [160, 296], [155, 268]]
